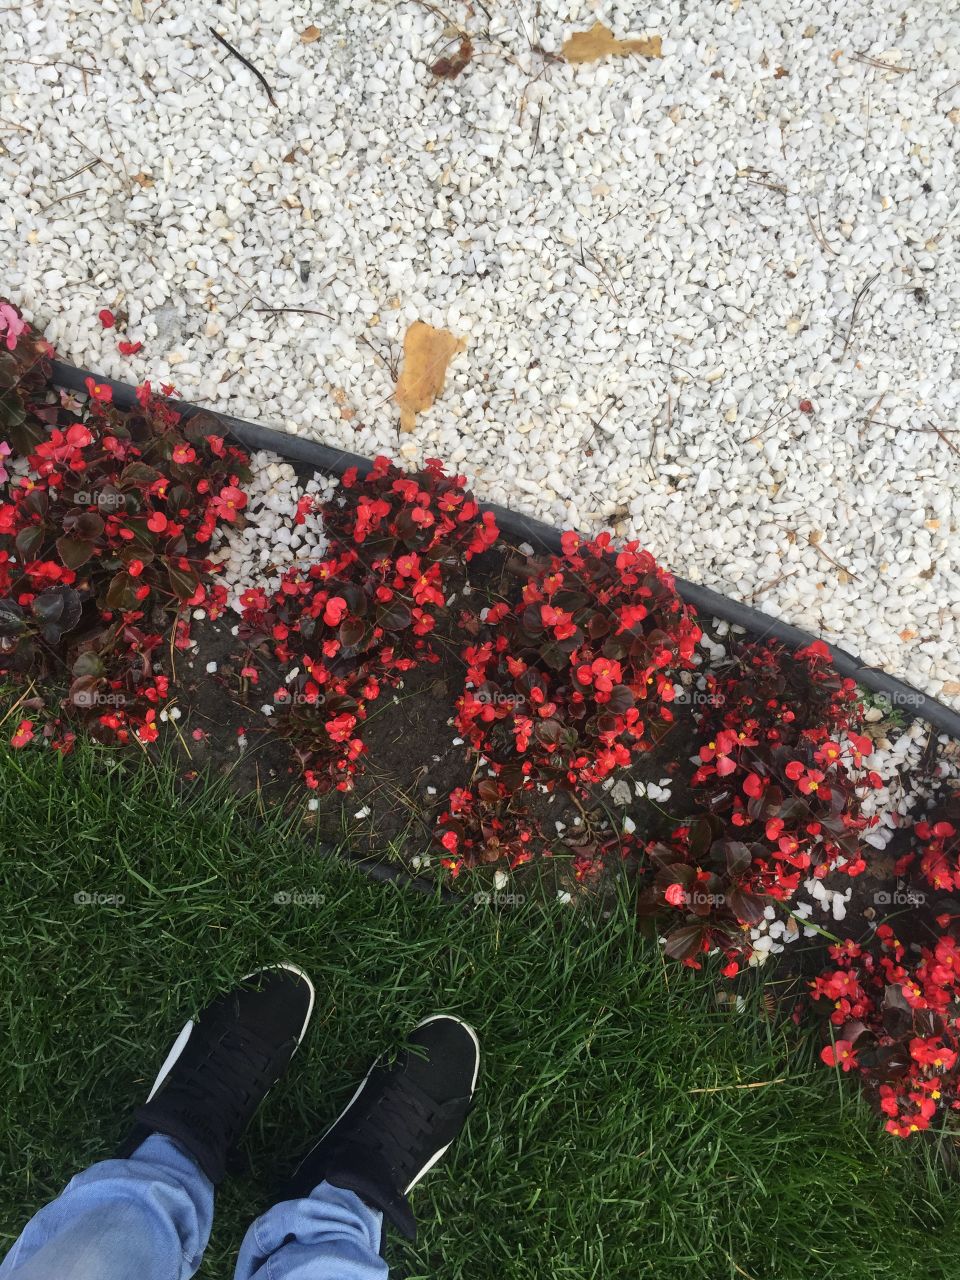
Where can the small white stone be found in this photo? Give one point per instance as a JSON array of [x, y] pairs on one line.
[[620, 793]]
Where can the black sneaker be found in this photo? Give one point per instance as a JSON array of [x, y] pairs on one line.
[[224, 1064], [399, 1122]]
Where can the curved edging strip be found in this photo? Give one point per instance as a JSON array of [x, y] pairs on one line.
[[546, 538]]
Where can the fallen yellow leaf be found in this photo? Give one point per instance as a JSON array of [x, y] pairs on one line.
[[311, 34], [426, 354], [600, 42]]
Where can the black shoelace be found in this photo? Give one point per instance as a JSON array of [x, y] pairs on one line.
[[396, 1124], [219, 1091]]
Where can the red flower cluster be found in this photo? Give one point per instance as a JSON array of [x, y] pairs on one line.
[[781, 758], [573, 681], [577, 678], [361, 617], [939, 853], [777, 783], [503, 834], [897, 1016], [101, 542]]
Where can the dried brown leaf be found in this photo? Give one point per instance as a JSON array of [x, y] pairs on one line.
[[600, 42], [312, 33], [450, 68], [426, 354]]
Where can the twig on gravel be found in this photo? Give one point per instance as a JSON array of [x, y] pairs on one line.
[[119, 153], [91, 164], [67, 195], [836, 563], [779, 187], [818, 232], [56, 62], [596, 426], [949, 89], [303, 311], [246, 62], [858, 300], [601, 276], [772, 421], [53, 62], [392, 365], [943, 436], [774, 582], [535, 46], [536, 136], [941, 431], [90, 151], [524, 101], [869, 61], [871, 419]]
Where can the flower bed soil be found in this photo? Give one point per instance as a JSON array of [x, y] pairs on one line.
[[412, 762]]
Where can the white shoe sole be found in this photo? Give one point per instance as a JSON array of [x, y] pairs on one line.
[[182, 1039]]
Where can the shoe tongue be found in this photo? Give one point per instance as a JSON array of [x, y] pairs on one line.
[[415, 1082], [190, 1131]]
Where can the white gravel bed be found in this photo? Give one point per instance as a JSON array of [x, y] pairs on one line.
[[271, 541], [906, 794], [654, 263]]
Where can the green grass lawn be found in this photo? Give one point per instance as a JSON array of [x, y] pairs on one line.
[[612, 1136]]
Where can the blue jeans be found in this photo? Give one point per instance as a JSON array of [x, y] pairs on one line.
[[148, 1218]]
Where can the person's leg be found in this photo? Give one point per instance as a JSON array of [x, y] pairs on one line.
[[397, 1125], [330, 1235], [146, 1216], [143, 1218]]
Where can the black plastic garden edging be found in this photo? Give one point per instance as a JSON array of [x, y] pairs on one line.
[[545, 537]]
